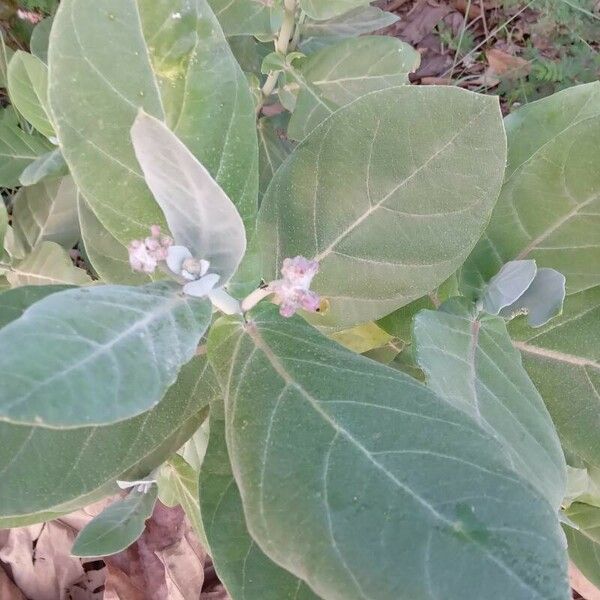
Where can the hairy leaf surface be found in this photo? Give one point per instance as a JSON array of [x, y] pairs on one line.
[[364, 483], [387, 222]]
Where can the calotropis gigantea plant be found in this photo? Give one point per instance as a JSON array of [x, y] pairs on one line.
[[349, 324]]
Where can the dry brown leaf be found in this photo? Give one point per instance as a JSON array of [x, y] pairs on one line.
[[581, 584], [506, 65], [421, 21], [40, 560]]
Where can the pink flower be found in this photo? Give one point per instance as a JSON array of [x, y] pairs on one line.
[[292, 292], [30, 16], [144, 255]]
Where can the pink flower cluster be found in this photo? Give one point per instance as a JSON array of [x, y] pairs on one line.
[[292, 292], [144, 255], [30, 16]]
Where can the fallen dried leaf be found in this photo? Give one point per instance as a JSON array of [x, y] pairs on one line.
[[421, 20], [506, 65]]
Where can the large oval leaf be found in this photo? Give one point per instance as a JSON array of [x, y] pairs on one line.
[[50, 470], [113, 350], [384, 194], [549, 206], [326, 9], [245, 570], [563, 360], [337, 75], [169, 58], [200, 215], [365, 484], [470, 361]]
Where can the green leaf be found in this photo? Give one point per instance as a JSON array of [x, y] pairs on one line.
[[113, 349], [335, 76], [28, 90], [18, 149], [62, 470], [3, 223], [174, 62], [107, 256], [585, 553], [550, 199], [40, 39], [471, 362], [361, 20], [587, 518], [13, 303], [543, 300], [327, 9], [179, 485], [241, 565], [6, 54], [200, 215], [563, 360], [273, 149], [364, 483], [48, 264], [508, 285], [388, 222], [46, 211], [117, 526], [244, 17], [362, 338], [47, 166]]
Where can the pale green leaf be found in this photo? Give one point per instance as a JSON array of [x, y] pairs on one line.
[[337, 75], [28, 90], [585, 554], [113, 349], [195, 448], [46, 211], [549, 205], [508, 285], [62, 470], [18, 149], [174, 62], [13, 303], [3, 223], [387, 220], [48, 264], [244, 569], [199, 214], [327, 9], [543, 299], [365, 484], [471, 362], [47, 166], [107, 256], [244, 17], [40, 39], [563, 360], [361, 20], [6, 54], [362, 338], [587, 518], [117, 526]]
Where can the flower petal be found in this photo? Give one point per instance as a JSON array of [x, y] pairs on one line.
[[201, 287], [175, 257], [224, 302]]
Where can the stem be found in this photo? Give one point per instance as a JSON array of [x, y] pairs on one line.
[[282, 43]]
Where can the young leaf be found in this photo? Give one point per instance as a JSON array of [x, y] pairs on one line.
[[13, 303], [113, 349], [387, 222], [46, 212], [361, 20], [244, 17], [471, 362], [508, 285], [543, 299], [62, 470], [18, 149], [28, 90], [174, 62], [48, 264], [107, 256], [337, 75], [327, 9], [241, 565], [548, 206], [563, 360], [355, 477], [117, 526], [273, 149], [47, 166], [200, 215]]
